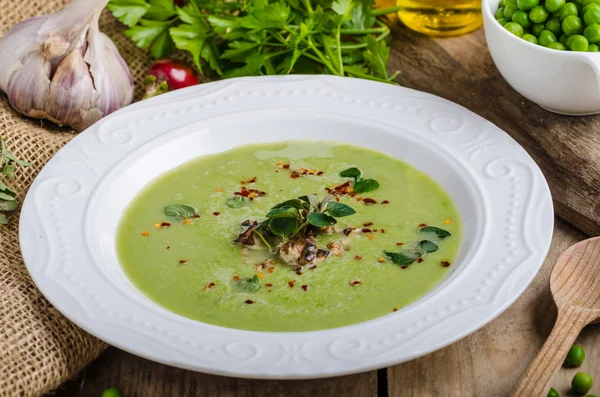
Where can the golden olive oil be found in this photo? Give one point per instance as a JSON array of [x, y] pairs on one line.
[[441, 17]]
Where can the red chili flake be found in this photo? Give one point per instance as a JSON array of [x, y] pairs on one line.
[[168, 247], [445, 263], [286, 166], [269, 291], [337, 199], [275, 171], [399, 244], [353, 194], [382, 230], [165, 224], [394, 310], [291, 283], [182, 261], [253, 180], [404, 267], [368, 224], [366, 230], [298, 272], [197, 216], [369, 201], [271, 269], [357, 257], [385, 202], [268, 285], [375, 230], [216, 213], [294, 175], [320, 173], [420, 260], [248, 301], [355, 282], [210, 285], [358, 199], [304, 287], [422, 224]]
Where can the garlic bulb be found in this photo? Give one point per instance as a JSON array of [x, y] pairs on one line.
[[60, 67]]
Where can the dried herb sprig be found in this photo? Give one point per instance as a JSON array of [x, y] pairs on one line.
[[8, 163]]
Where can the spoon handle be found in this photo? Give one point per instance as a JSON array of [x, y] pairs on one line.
[[569, 323]]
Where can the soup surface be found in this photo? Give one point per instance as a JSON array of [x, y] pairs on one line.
[[380, 259]]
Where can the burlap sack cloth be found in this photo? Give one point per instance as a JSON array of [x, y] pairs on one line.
[[39, 348]]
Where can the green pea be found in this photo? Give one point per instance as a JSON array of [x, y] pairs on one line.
[[112, 392], [507, 2], [586, 2], [563, 39], [555, 45], [546, 37], [554, 26], [568, 9], [538, 14], [522, 19], [537, 28], [553, 393], [576, 354], [514, 28], [581, 383], [590, 7], [530, 38], [572, 25], [502, 21], [592, 33], [500, 13], [593, 48], [509, 10], [591, 17], [527, 5], [554, 5], [578, 43]]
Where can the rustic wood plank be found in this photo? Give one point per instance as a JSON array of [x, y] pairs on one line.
[[135, 376], [566, 148], [490, 361]]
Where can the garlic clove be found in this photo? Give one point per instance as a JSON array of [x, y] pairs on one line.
[[28, 87]]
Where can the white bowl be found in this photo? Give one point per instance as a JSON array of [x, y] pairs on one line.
[[564, 82], [70, 215]]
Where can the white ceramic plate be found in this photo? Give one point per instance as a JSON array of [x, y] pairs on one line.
[[69, 218]]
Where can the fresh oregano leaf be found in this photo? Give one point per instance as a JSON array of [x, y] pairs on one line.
[[249, 284], [353, 172], [428, 246], [283, 212], [8, 205], [283, 226], [311, 199], [403, 258], [365, 185], [339, 210], [297, 203], [320, 219], [237, 201], [180, 211], [440, 233]]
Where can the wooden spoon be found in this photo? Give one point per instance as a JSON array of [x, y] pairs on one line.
[[575, 285]]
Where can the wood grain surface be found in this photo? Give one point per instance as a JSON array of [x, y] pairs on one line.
[[489, 362]]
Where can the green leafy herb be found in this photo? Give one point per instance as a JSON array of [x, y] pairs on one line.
[[8, 162], [365, 185], [428, 246], [339, 210], [353, 172], [402, 258], [264, 37], [180, 211], [250, 284], [440, 233], [237, 202], [321, 220], [283, 226]]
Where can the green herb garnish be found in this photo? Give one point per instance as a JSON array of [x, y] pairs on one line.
[[360, 185], [250, 284], [423, 247], [428, 246], [8, 202], [179, 212], [261, 37], [402, 258], [440, 233], [237, 201]]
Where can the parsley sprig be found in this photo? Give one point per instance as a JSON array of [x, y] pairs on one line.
[[8, 202], [264, 37]]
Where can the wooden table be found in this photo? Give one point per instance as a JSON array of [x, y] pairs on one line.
[[487, 363]]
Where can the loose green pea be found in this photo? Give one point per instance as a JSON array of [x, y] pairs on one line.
[[500, 13], [539, 14], [575, 356], [537, 28], [507, 2], [592, 33], [555, 45], [502, 21], [527, 5], [514, 28], [554, 5], [572, 25], [567, 9], [530, 38], [522, 19], [593, 48], [554, 26], [581, 383], [546, 37], [509, 10], [591, 17], [553, 393], [112, 392], [563, 39], [578, 43]]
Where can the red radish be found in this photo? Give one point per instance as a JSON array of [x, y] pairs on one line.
[[168, 75]]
